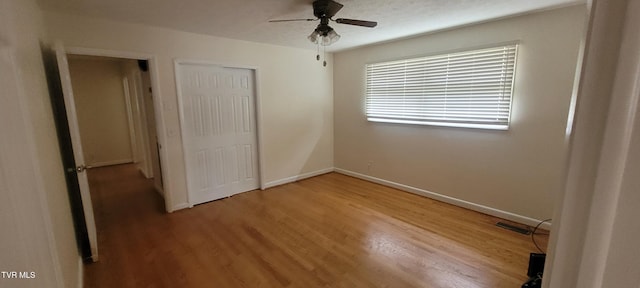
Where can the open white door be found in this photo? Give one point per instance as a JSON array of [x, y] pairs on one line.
[[74, 132]]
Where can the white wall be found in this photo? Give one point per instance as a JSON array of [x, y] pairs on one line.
[[595, 232], [295, 92], [519, 171], [37, 228], [101, 110], [622, 267]]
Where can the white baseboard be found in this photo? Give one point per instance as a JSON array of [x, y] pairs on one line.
[[159, 189], [270, 184], [109, 163], [145, 173], [296, 178], [179, 207], [451, 200]]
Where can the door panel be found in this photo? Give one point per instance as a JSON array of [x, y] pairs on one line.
[[219, 134], [76, 143], [66, 151]]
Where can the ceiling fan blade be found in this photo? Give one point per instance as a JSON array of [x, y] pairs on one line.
[[326, 8], [333, 8], [362, 23], [292, 20]]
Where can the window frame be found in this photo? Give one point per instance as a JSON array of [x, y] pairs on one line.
[[491, 126]]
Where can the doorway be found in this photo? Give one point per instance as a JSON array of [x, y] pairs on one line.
[[114, 104], [104, 113], [115, 114]]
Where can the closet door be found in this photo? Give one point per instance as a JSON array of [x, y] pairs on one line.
[[217, 110]]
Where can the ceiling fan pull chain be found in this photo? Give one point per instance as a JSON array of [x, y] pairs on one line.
[[318, 52], [324, 50]]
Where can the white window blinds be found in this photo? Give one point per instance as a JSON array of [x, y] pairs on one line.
[[466, 89]]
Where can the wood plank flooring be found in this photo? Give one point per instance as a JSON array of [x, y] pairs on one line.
[[327, 231]]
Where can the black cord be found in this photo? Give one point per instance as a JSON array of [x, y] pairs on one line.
[[534, 233]]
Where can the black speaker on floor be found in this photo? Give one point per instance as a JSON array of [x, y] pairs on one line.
[[536, 268], [536, 264]]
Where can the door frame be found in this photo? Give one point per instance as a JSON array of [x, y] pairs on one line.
[[132, 130], [157, 106], [140, 105], [258, 109]]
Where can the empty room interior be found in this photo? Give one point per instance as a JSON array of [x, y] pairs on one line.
[[326, 143]]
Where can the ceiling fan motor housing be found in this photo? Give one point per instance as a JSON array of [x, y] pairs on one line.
[[324, 28], [326, 8]]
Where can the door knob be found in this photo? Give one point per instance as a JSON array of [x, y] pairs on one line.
[[78, 169]]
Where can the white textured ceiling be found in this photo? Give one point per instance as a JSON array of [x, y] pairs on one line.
[[248, 19]]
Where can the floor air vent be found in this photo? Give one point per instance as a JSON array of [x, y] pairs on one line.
[[513, 228]]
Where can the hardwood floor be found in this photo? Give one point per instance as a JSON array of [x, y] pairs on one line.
[[327, 231]]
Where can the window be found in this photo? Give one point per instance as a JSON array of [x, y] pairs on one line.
[[465, 89]]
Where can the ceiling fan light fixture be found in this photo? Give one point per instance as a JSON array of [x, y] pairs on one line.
[[313, 37], [324, 38], [330, 38]]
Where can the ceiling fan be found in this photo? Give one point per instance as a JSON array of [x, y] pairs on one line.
[[324, 10]]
